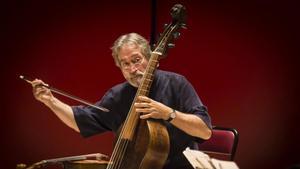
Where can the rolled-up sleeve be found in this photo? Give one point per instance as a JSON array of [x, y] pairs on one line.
[[91, 121]]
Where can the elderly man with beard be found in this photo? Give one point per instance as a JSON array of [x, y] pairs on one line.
[[172, 98]]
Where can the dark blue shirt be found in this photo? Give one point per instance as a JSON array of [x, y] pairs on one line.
[[168, 88]]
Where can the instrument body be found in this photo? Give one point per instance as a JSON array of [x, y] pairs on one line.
[[149, 147], [88, 161]]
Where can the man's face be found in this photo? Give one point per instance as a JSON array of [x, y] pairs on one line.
[[132, 63]]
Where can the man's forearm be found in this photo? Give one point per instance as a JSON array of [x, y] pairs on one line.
[[192, 125], [63, 111]]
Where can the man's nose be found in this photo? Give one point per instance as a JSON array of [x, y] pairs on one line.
[[133, 68]]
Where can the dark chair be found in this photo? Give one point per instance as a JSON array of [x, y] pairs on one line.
[[222, 144]]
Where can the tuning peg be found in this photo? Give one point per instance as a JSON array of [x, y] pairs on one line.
[[171, 45], [159, 35], [176, 35], [153, 46], [165, 26], [183, 25]]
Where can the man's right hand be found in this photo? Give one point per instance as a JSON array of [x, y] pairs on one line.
[[40, 92], [63, 111]]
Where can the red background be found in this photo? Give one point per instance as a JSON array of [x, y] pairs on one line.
[[241, 58]]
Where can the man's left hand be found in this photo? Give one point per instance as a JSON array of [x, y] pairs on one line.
[[148, 108]]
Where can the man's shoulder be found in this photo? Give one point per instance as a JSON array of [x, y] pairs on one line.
[[119, 90], [167, 75], [121, 86]]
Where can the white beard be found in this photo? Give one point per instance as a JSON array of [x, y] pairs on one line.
[[137, 80]]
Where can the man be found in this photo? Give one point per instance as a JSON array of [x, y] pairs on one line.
[[172, 98]]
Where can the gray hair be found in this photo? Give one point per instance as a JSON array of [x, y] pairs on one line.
[[131, 38]]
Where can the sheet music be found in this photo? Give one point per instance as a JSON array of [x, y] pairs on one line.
[[200, 160], [221, 164]]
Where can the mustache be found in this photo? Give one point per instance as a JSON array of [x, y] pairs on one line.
[[139, 74]]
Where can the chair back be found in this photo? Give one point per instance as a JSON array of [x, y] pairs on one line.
[[222, 144]]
